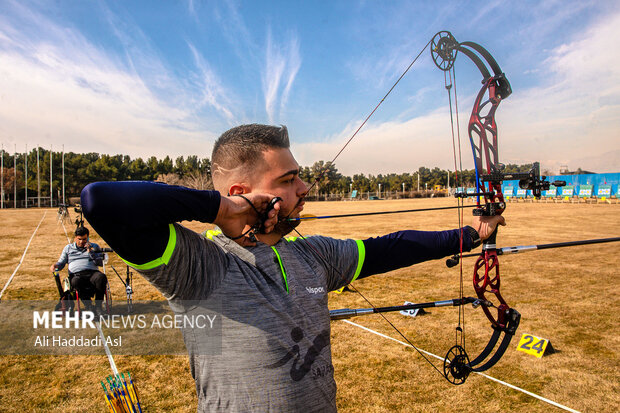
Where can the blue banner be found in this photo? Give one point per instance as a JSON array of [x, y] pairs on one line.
[[601, 185]]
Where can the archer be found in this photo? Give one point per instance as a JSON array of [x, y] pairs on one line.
[[84, 258], [271, 292]]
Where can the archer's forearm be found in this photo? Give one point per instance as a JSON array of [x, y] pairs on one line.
[[133, 217], [405, 248]]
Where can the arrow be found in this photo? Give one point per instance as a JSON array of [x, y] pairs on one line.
[[309, 217]]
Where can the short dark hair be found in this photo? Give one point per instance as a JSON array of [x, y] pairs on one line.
[[243, 145], [79, 231]]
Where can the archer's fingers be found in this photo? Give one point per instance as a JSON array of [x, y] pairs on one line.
[[272, 218]]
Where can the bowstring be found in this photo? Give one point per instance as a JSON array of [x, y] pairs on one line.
[[450, 81]]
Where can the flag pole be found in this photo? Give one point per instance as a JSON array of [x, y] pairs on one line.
[[51, 193], [38, 180], [63, 175], [15, 177], [26, 176], [2, 179]]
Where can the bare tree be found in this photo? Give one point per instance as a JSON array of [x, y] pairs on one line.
[[198, 180], [194, 180], [170, 179]]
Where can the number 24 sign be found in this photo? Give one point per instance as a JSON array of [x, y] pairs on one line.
[[533, 345]]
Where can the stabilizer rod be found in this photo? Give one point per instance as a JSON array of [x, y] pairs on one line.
[[454, 260], [344, 313]]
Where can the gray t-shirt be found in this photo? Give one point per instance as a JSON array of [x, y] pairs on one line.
[[79, 259], [275, 352]]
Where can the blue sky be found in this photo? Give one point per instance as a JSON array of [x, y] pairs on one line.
[[167, 77]]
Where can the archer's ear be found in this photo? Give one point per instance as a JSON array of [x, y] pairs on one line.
[[238, 189]]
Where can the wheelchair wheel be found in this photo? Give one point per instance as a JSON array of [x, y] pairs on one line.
[[107, 300]]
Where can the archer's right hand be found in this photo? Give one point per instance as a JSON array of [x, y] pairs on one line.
[[236, 216]]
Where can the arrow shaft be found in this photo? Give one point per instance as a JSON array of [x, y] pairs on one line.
[[361, 214]]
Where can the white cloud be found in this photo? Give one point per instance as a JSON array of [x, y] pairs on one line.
[[213, 94], [389, 146], [59, 88], [282, 62], [572, 118]]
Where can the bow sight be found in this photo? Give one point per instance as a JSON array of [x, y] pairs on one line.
[[531, 180]]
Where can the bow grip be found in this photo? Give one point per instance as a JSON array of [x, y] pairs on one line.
[[490, 242]]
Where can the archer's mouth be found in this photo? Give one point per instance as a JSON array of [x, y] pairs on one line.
[[301, 204]]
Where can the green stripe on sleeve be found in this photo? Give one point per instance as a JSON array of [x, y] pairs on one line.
[[361, 252], [281, 267], [164, 259]]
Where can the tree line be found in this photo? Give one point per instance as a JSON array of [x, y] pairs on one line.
[[329, 180], [83, 168]]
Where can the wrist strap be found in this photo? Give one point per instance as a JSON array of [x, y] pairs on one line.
[[475, 237]]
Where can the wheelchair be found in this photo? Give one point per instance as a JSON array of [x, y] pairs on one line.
[[89, 291], [70, 298]]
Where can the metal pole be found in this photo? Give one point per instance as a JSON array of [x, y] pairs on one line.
[[51, 203], [418, 181], [2, 179], [448, 180], [15, 177], [26, 175], [63, 175], [38, 180]]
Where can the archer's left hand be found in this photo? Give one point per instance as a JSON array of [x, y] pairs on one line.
[[486, 225]]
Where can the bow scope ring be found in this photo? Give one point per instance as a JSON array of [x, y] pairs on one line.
[[444, 48]]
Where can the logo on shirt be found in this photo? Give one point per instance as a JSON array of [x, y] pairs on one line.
[[315, 290], [302, 364]]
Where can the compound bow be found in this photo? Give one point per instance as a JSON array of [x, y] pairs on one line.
[[483, 135]]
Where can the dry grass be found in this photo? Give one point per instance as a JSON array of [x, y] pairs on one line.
[[570, 296]]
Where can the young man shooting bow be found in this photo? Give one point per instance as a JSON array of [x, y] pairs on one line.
[[270, 292]]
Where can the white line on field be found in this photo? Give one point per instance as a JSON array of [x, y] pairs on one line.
[[481, 374], [23, 255], [67, 235]]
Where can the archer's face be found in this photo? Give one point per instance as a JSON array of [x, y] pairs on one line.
[[81, 240], [280, 176]]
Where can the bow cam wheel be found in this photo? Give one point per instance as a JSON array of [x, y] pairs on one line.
[[444, 48], [456, 367]]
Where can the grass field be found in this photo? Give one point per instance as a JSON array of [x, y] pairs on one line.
[[570, 296]]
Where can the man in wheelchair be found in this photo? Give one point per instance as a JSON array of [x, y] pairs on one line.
[[84, 258]]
